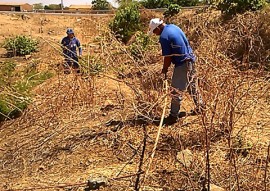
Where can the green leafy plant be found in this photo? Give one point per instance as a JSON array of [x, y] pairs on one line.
[[140, 45], [53, 7], [126, 22], [232, 7], [6, 74], [186, 3], [241, 145], [10, 102], [6, 69], [15, 87], [172, 10], [153, 4], [11, 106], [100, 5], [32, 80], [20, 45]]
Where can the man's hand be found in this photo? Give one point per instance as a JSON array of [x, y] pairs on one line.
[[164, 71], [166, 65]]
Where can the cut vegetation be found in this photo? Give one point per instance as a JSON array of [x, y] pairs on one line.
[[75, 128]]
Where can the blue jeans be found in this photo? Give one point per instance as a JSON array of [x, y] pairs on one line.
[[184, 78]]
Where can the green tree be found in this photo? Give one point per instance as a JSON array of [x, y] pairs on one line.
[[126, 21], [172, 10], [208, 2], [53, 7], [123, 2], [187, 3], [232, 7], [100, 5], [153, 4], [38, 6]]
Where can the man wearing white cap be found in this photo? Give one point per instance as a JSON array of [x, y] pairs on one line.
[[176, 49]]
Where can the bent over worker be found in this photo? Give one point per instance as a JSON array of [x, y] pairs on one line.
[[69, 46], [176, 50]]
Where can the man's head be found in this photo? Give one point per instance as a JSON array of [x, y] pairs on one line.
[[70, 33], [155, 26]]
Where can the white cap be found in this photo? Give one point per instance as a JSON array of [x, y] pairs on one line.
[[154, 23]]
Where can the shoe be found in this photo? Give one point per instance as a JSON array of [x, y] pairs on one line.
[[78, 71], [182, 114], [170, 120]]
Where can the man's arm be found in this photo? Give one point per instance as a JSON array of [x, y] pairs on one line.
[[166, 52], [79, 46], [63, 44], [166, 64]]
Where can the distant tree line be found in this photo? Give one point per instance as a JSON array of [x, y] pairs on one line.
[[149, 4], [152, 4], [230, 6], [40, 6]]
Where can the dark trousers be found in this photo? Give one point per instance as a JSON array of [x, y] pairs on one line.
[[71, 63]]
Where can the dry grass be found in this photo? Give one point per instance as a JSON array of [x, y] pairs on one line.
[[63, 136]]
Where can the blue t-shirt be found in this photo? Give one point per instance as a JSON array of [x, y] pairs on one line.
[[174, 43], [71, 45]]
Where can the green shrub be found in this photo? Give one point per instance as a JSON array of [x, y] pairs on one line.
[[15, 87], [31, 80], [6, 68], [153, 4], [232, 7], [100, 5], [186, 3], [12, 106], [172, 10], [140, 45], [126, 22], [4, 110], [20, 45], [241, 145]]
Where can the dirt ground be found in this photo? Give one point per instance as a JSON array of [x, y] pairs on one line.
[[78, 128]]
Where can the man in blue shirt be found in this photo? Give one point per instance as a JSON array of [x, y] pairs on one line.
[[176, 50], [69, 46]]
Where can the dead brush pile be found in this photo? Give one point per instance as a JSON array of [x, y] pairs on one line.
[[233, 60], [101, 124], [244, 39]]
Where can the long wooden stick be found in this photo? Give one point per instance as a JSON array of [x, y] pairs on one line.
[[158, 133]]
